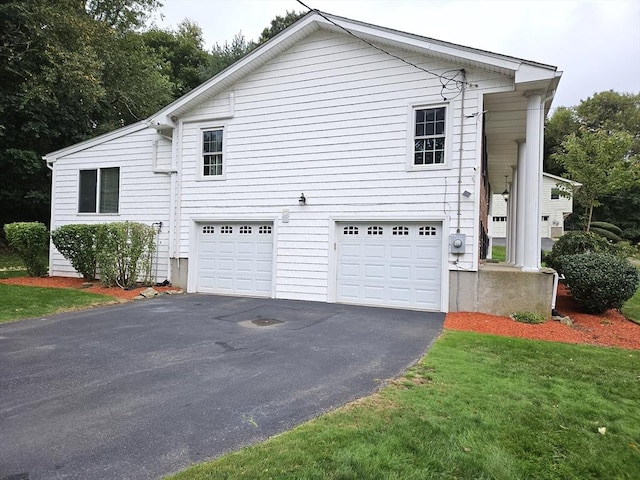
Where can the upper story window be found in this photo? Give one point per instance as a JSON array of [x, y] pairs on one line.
[[429, 136], [555, 193], [99, 190], [212, 153]]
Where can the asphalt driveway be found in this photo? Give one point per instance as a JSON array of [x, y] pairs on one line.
[[146, 388]]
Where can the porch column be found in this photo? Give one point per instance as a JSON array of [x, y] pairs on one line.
[[513, 214], [519, 182], [533, 172]]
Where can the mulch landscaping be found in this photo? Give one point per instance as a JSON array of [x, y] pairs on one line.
[[610, 329]]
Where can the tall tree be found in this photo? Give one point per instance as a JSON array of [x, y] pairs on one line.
[[600, 161], [278, 24]]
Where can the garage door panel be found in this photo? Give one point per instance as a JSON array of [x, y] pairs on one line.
[[235, 258], [390, 264]]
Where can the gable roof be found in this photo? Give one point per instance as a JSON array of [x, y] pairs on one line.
[[519, 69]]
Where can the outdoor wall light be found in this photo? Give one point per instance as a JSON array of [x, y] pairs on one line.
[[505, 194], [302, 201]]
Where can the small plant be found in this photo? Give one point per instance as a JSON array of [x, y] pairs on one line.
[[600, 281], [528, 317], [125, 254], [30, 241], [78, 244]]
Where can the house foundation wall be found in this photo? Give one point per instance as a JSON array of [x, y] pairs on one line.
[[179, 272], [501, 290]]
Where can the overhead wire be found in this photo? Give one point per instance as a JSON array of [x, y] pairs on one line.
[[445, 80]]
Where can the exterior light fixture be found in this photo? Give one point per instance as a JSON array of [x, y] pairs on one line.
[[505, 194], [302, 201]]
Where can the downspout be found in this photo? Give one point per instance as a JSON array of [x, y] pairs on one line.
[[49, 164]]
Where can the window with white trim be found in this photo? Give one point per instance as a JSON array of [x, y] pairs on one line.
[[429, 136], [99, 190], [212, 152]]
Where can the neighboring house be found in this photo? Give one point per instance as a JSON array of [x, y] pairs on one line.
[[555, 207], [321, 168]]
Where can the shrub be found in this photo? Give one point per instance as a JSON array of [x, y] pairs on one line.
[[610, 227], [78, 244], [125, 253], [30, 241], [576, 242], [600, 281], [608, 234], [527, 317]]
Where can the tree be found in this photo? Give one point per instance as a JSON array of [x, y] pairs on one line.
[[562, 123], [600, 161], [278, 24], [122, 15], [225, 55]]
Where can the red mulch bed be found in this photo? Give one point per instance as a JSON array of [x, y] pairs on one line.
[[67, 282], [610, 329]]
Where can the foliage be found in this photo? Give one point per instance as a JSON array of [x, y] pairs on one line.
[[599, 161], [20, 302], [528, 317], [608, 234], [225, 55], [561, 124], [30, 240], [607, 226], [466, 410], [78, 244], [575, 242], [122, 14], [278, 24], [126, 253], [631, 308], [599, 281]]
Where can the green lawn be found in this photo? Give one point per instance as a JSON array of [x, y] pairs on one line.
[[476, 407], [499, 253], [20, 302], [11, 265]]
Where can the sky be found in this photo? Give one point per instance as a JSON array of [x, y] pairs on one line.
[[596, 44]]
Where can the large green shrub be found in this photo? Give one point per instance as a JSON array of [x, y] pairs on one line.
[[30, 240], [572, 243], [126, 253], [78, 244], [599, 281]]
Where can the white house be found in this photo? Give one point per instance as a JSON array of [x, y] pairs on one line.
[[555, 207], [338, 162]]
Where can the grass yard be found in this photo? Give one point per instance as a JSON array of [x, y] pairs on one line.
[[11, 265], [476, 406], [499, 253], [20, 302]]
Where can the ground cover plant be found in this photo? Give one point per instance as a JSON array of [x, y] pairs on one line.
[[476, 406], [20, 302]]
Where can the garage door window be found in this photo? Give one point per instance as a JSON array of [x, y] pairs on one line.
[[375, 230], [427, 231], [350, 230], [400, 231]]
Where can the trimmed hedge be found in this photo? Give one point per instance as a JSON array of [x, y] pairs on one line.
[[575, 242], [599, 281], [78, 244], [30, 241], [607, 226]]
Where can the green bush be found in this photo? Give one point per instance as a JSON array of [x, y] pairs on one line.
[[126, 253], [608, 234], [527, 317], [78, 244], [575, 242], [599, 281], [610, 227], [30, 241]]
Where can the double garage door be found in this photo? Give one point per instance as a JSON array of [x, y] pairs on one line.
[[382, 264]]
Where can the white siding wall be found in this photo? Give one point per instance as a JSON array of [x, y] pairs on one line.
[[329, 118], [144, 196]]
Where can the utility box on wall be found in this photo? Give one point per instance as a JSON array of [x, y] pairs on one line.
[[456, 243]]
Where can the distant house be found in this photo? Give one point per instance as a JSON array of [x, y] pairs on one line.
[[320, 167], [555, 207]]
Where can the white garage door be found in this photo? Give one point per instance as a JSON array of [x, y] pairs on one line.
[[235, 258], [390, 264]]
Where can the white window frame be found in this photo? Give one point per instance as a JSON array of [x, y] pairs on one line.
[[202, 154], [411, 135], [97, 190]]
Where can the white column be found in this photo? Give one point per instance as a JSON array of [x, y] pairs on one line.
[[507, 229], [519, 181], [533, 169], [513, 211]]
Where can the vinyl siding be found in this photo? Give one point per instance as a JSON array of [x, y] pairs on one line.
[[329, 118], [144, 196]]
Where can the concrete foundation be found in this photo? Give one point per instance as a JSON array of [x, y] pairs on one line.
[[501, 289], [179, 268]]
